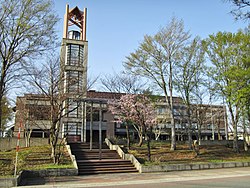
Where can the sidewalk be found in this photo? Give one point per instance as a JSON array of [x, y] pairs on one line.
[[111, 180]]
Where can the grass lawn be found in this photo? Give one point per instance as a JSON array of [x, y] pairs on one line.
[[161, 154], [32, 158]]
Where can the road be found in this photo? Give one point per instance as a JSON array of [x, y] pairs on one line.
[[227, 177]]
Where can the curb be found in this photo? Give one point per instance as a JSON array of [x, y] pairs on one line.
[[185, 167]]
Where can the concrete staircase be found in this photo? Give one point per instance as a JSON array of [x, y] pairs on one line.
[[89, 163]]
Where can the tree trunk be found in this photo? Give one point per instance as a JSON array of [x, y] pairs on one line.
[[148, 146], [234, 119], [157, 135], [53, 143], [53, 153], [140, 139], [27, 137], [190, 140], [199, 134], [128, 137], [1, 126], [173, 138], [245, 134], [245, 142], [235, 141], [148, 143], [219, 135], [234, 122], [2, 90]]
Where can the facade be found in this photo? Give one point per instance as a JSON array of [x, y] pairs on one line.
[[208, 121], [33, 114]]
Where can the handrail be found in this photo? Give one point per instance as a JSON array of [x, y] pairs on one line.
[[73, 158], [123, 155]]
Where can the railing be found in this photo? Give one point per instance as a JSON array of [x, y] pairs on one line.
[[73, 158], [123, 155]]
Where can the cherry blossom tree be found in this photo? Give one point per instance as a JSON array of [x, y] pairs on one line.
[[137, 110]]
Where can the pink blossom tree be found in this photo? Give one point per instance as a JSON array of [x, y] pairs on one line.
[[139, 111]]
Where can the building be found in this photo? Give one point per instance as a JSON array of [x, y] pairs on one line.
[[85, 116], [74, 61], [33, 114], [208, 121]]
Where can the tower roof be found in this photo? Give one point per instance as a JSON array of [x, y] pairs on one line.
[[75, 17], [76, 12]]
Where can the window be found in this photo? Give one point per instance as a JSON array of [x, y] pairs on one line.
[[74, 109], [161, 110], [74, 81], [72, 128], [95, 114], [75, 55], [39, 112]]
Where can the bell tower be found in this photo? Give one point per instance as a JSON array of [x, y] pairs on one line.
[[73, 63]]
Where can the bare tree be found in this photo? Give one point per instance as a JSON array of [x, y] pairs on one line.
[[200, 93], [91, 81], [155, 59], [123, 83], [187, 76], [48, 82], [241, 10], [7, 113], [27, 29]]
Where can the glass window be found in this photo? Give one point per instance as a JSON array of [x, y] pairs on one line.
[[74, 81], [75, 55], [74, 109], [72, 128]]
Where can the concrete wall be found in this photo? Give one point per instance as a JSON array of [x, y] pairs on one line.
[[10, 143], [124, 156], [8, 182], [45, 173]]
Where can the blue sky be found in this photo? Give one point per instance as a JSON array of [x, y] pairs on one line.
[[115, 27]]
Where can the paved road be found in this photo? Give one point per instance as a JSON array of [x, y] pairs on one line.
[[227, 177]]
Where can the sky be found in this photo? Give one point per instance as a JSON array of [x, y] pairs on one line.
[[116, 27]]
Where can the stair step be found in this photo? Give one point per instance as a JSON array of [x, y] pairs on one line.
[[107, 171], [103, 163], [88, 147], [88, 160], [93, 150], [94, 158], [80, 146], [104, 168], [97, 165], [97, 155]]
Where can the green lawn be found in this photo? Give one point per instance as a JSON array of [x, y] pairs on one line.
[[161, 154], [30, 159]]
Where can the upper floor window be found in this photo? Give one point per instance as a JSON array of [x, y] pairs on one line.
[[75, 55]]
